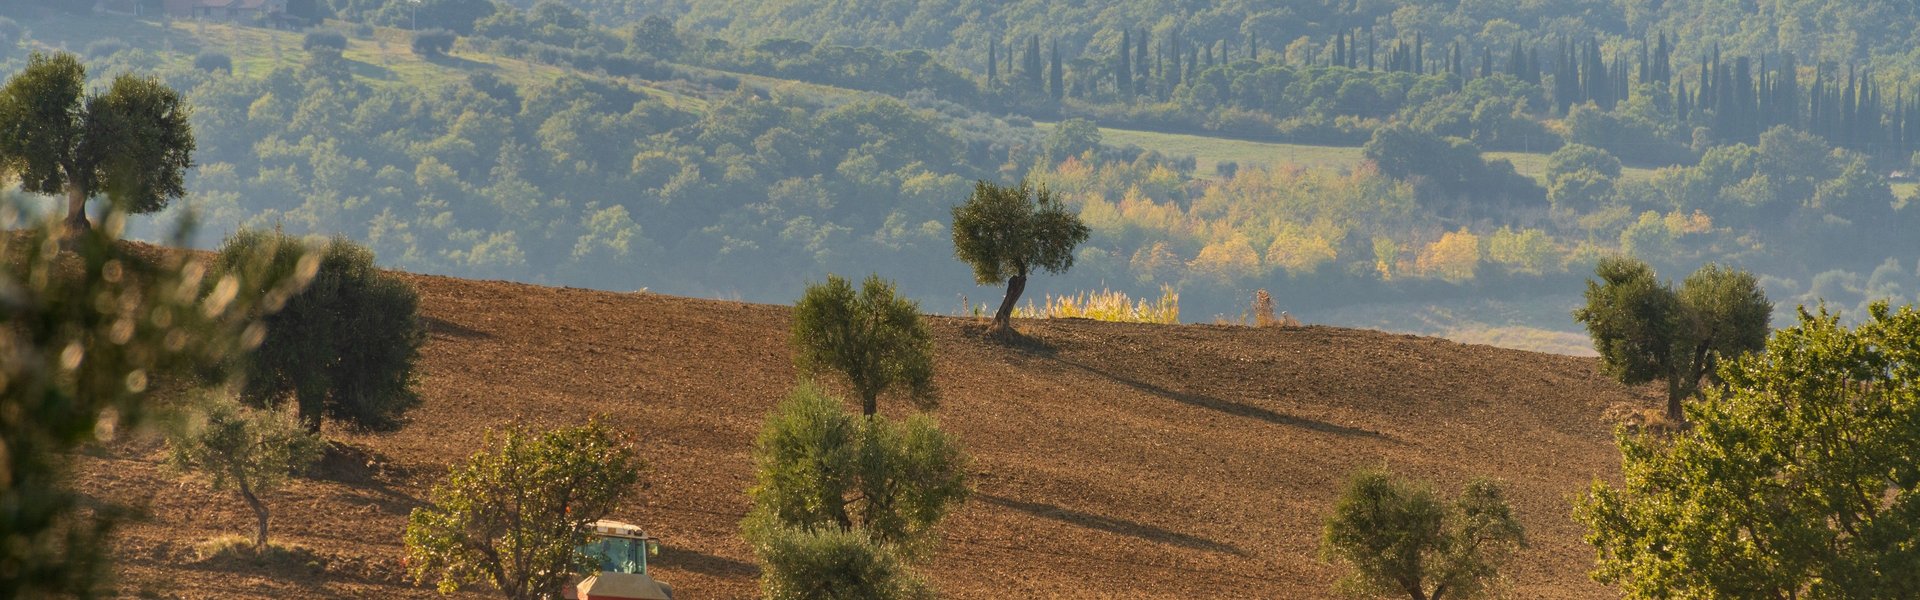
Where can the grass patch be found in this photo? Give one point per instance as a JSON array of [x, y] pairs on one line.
[[1905, 190], [1107, 305], [1208, 152], [238, 549], [384, 59]]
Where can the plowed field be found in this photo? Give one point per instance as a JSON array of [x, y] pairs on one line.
[[1110, 460]]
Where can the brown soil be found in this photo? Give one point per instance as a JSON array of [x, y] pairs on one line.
[[1108, 459]]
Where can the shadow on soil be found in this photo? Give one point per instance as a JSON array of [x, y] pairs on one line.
[[454, 330], [366, 471], [704, 564], [1112, 525], [1235, 408]]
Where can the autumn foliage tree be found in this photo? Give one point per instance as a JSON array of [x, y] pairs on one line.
[[515, 515], [131, 142], [1007, 232]]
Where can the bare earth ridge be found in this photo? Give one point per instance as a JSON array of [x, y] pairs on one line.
[[1108, 459]]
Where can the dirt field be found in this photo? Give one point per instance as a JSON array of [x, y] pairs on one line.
[[1109, 460]]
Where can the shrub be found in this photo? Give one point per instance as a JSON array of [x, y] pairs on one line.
[[874, 338], [515, 515], [1401, 540], [433, 42], [321, 40], [213, 62], [345, 346], [248, 451], [832, 564]]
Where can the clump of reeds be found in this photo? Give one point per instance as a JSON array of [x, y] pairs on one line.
[[1107, 305]]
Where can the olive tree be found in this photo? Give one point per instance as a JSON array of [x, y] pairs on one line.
[[515, 515], [1645, 330], [343, 347], [817, 465], [1796, 480], [131, 142], [874, 338], [1007, 232], [1400, 540], [250, 452]]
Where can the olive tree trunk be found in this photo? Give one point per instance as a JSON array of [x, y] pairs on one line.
[[259, 515], [1003, 318], [77, 209]]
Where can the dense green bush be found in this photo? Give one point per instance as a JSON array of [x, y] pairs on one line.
[[324, 40], [432, 42], [214, 62], [344, 347], [833, 564]]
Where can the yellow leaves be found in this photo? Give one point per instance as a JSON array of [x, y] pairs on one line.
[[1155, 262], [1227, 261], [1454, 257], [1299, 252], [1683, 224], [1525, 251]]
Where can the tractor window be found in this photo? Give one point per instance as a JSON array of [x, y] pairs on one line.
[[618, 555]]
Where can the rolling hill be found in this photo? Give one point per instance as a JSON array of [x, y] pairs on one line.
[[1108, 459]]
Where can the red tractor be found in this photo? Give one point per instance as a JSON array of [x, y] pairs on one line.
[[622, 550]]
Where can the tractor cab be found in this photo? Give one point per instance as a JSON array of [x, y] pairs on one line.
[[622, 551]]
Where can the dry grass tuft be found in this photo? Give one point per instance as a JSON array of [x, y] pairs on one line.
[[1640, 419], [1107, 305], [1261, 313]]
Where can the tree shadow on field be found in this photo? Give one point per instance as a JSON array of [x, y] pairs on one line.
[[437, 326], [1235, 408], [1112, 525], [703, 563]]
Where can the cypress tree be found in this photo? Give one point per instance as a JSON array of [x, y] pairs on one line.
[[1140, 63], [1370, 49], [1339, 50], [1253, 46], [1419, 55], [1036, 76], [993, 62], [1123, 67], [1193, 64], [1486, 61], [1057, 79], [1680, 103]]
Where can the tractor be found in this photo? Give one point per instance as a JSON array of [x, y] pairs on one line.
[[622, 550]]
